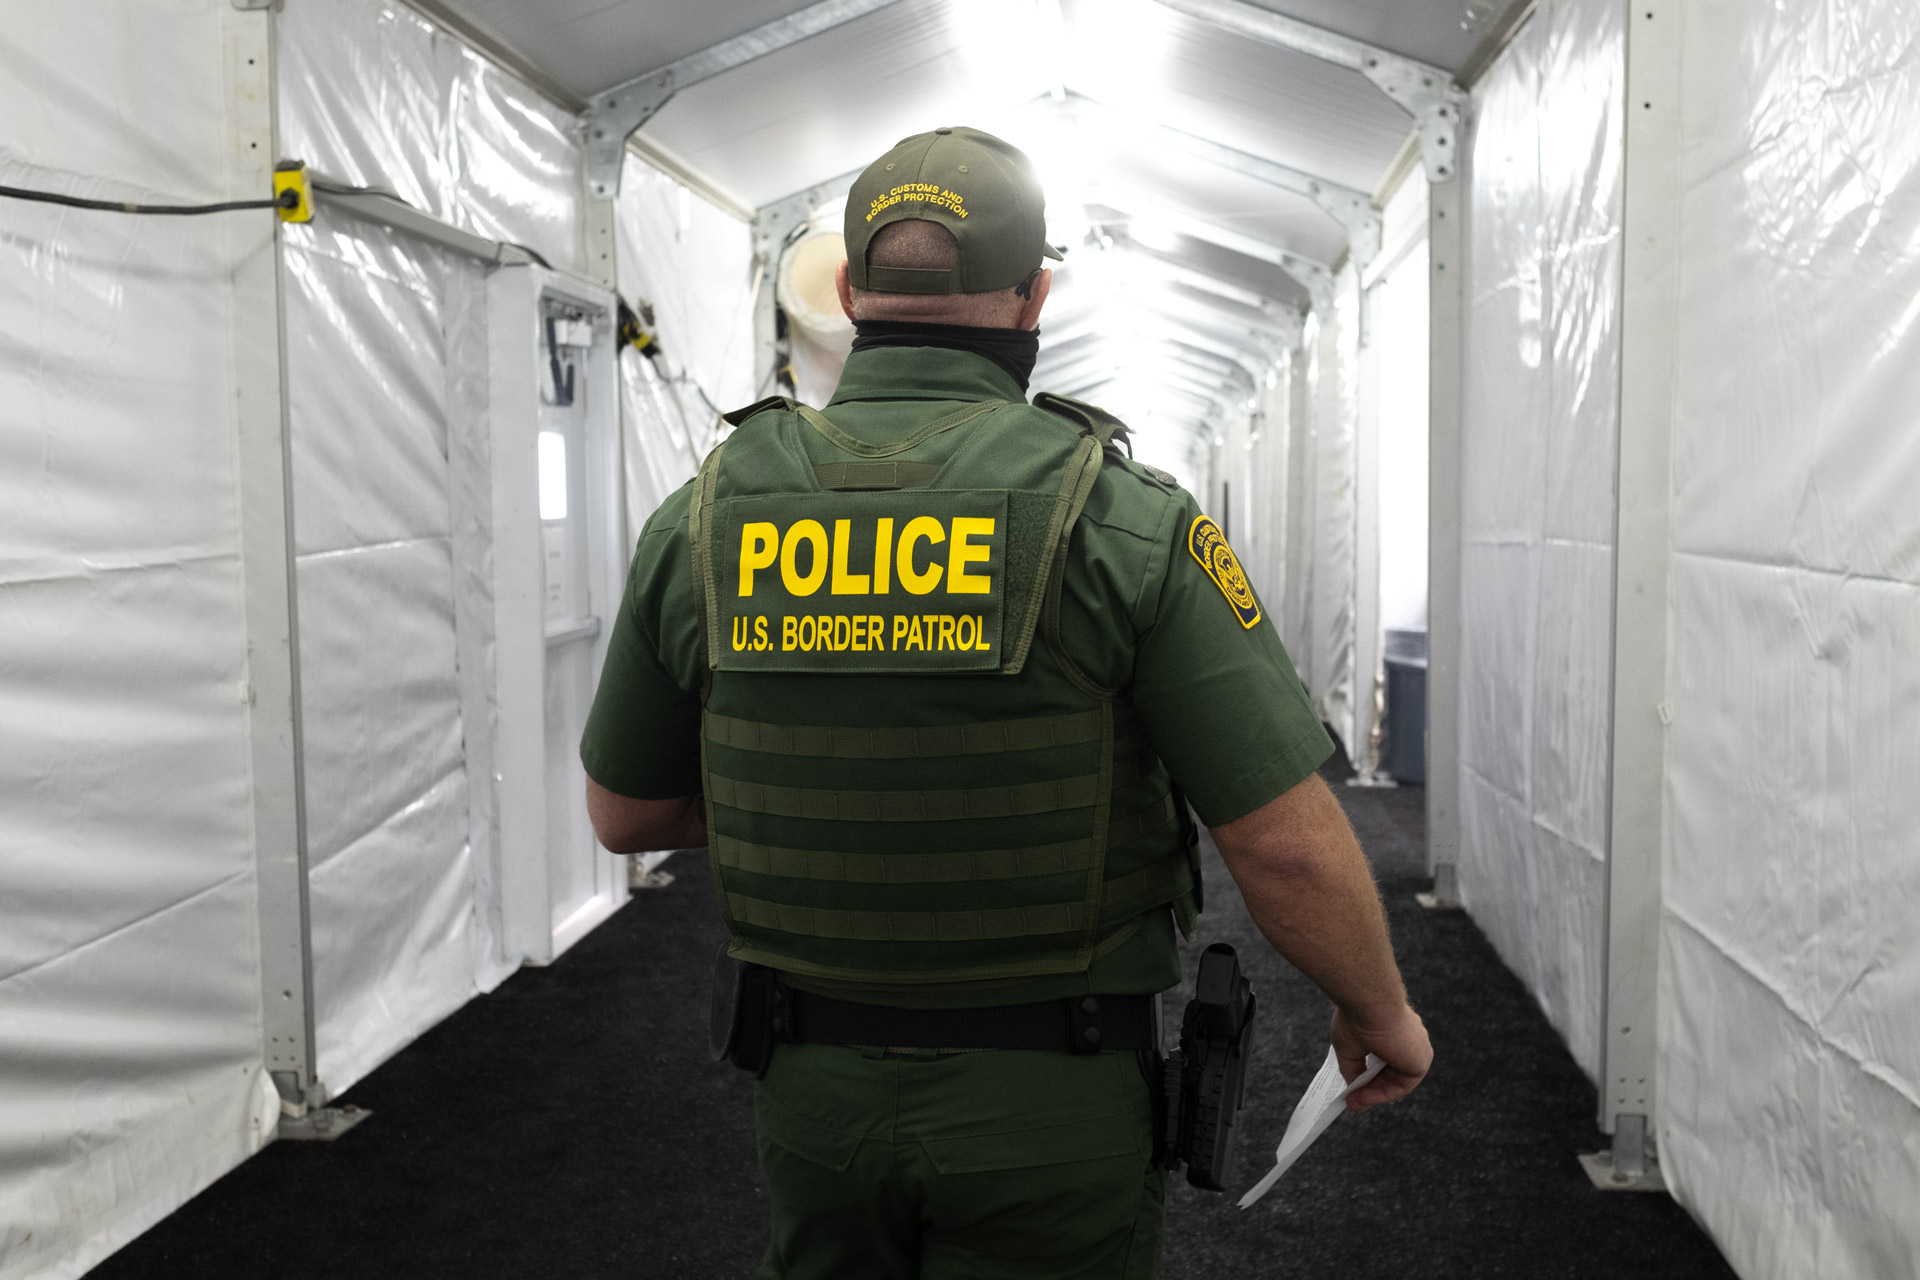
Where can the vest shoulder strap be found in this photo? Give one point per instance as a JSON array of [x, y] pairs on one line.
[[1090, 418], [737, 416]]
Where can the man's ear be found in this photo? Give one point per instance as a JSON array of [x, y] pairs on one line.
[[1030, 309], [843, 282]]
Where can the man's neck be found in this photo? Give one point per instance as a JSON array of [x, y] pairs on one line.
[[1014, 350]]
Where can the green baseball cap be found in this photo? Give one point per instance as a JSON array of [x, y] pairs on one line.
[[977, 186]]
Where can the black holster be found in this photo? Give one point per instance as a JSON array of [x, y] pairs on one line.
[[744, 1019], [1205, 1079]]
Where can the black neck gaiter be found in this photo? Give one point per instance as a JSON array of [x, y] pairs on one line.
[[1014, 350]]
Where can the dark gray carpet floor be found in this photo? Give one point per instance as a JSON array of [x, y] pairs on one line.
[[570, 1124]]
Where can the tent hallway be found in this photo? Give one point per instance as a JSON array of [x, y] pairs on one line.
[[475, 1159], [1552, 367]]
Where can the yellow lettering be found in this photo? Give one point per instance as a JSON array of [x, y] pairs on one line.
[[964, 553], [946, 631], [882, 555], [810, 532], [914, 639], [980, 630], [789, 633], [841, 631], [739, 634], [759, 543], [859, 633], [844, 583], [876, 632], [807, 633], [963, 632], [760, 632], [920, 583], [899, 630]]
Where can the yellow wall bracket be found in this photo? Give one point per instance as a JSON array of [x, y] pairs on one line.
[[293, 191]]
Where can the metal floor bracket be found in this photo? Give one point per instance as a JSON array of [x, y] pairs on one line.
[[1630, 1164], [1445, 894], [321, 1124]]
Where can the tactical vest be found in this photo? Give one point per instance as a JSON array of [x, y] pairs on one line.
[[901, 785]]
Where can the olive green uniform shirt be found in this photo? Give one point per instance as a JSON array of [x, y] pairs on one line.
[[1219, 700]]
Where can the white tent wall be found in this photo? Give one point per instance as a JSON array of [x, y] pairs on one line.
[[391, 872], [1790, 1031], [130, 1016], [1326, 658], [1541, 417], [1399, 313], [1296, 560], [403, 906], [375, 95], [1262, 537], [693, 262]]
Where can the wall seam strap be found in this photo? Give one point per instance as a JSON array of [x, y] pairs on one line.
[[1865, 1066], [1593, 853], [99, 571], [1846, 575], [1523, 802], [119, 929]]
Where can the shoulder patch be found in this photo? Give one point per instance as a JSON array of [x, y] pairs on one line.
[[1208, 546]]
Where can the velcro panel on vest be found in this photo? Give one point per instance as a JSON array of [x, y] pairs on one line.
[[860, 582], [888, 473]]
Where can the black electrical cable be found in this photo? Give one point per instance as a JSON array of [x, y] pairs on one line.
[[342, 189], [289, 199]]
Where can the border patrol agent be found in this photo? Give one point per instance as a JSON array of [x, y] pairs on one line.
[[934, 674]]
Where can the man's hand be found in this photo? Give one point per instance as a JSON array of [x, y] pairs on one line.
[[1401, 1043], [1308, 888], [627, 825]]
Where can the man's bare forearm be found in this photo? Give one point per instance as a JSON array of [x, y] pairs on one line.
[[628, 825], [1308, 889], [1310, 892]]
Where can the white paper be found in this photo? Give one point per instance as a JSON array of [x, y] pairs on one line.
[[1317, 1109]]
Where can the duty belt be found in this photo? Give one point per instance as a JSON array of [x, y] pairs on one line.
[[1081, 1024]]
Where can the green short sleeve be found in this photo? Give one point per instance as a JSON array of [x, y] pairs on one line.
[[643, 732], [1219, 698]]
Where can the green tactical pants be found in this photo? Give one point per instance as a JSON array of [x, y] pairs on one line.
[[995, 1164]]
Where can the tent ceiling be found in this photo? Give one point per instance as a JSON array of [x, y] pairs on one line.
[[590, 45], [1165, 241], [587, 46]]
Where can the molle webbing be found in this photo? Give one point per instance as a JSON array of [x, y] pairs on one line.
[[1045, 920], [903, 743], [1020, 799], [940, 868], [901, 913]]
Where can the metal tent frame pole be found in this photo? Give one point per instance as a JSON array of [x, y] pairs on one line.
[[264, 456], [1649, 313]]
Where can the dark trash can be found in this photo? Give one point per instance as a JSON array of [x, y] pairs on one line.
[[1406, 719]]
